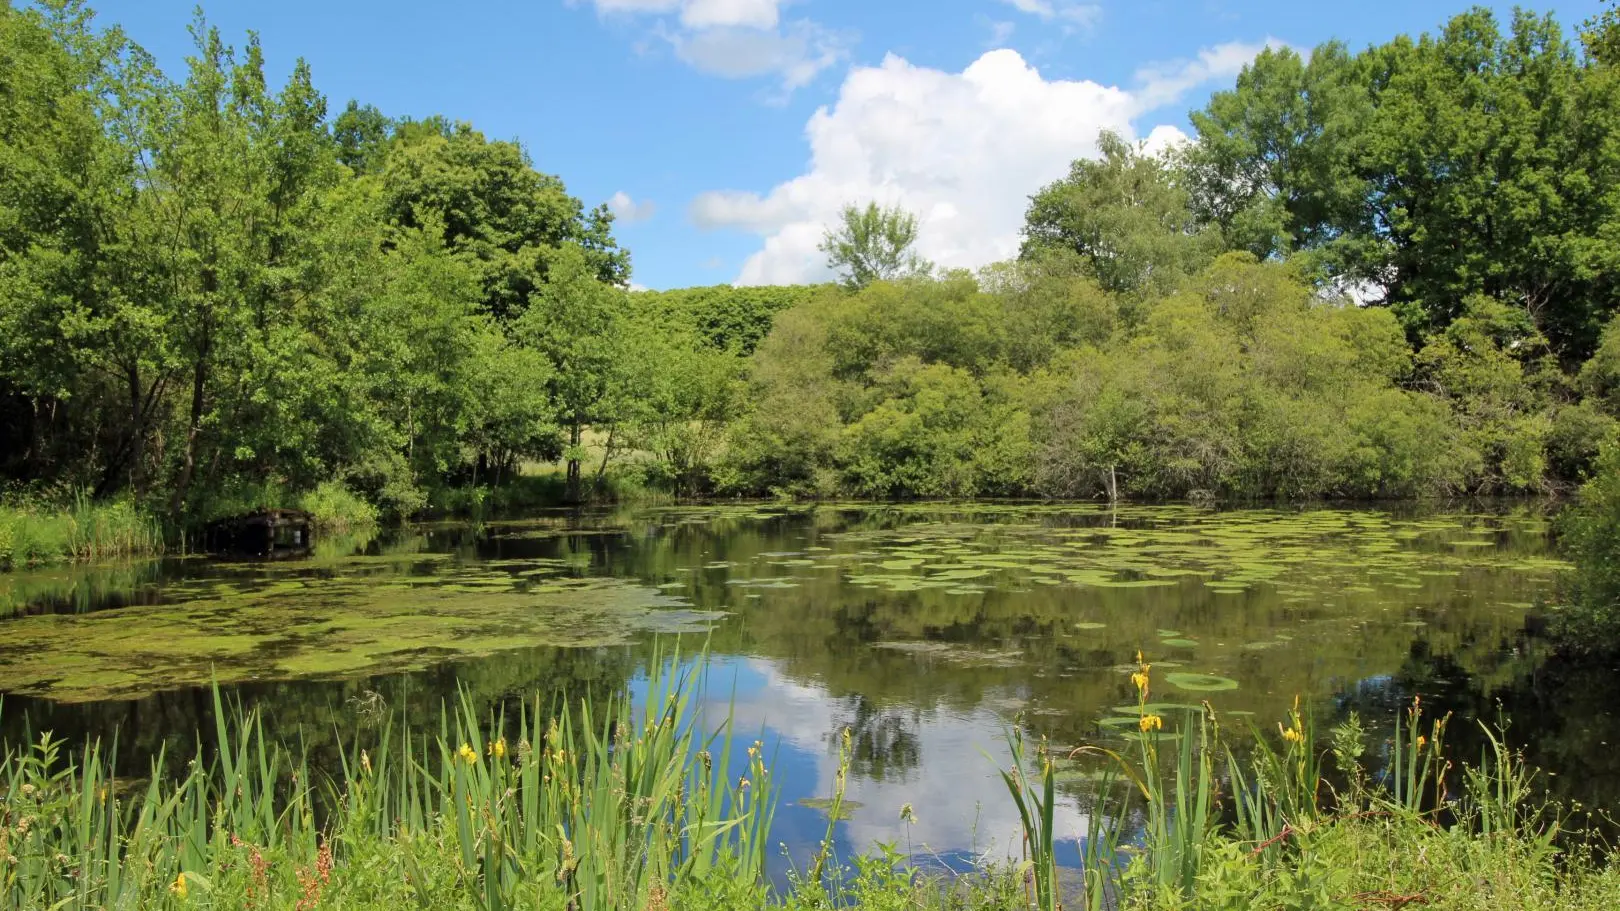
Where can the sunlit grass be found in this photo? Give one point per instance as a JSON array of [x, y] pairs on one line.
[[85, 529]]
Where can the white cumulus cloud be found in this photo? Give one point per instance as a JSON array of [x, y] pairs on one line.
[[962, 151], [629, 211], [738, 39], [796, 53]]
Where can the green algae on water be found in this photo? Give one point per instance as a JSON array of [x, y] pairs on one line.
[[336, 626]]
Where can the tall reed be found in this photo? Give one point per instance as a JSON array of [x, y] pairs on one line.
[[83, 529], [585, 808], [1217, 820]]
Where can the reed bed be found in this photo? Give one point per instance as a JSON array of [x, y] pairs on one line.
[[84, 529], [637, 806]]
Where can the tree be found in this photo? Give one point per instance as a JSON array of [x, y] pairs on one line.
[[495, 209], [1471, 162], [362, 134], [1272, 168], [75, 318], [1125, 215], [577, 322], [873, 244], [726, 316], [1601, 35]]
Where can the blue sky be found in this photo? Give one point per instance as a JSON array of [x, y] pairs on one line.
[[736, 128]]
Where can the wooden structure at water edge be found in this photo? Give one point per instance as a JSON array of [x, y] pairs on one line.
[[271, 533]]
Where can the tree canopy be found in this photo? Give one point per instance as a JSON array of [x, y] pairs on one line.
[[1376, 273], [873, 244]]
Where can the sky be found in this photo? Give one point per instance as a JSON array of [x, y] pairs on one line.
[[727, 134]]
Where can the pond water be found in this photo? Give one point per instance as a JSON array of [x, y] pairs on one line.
[[927, 630]]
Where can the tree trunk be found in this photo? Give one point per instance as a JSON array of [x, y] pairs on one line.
[[607, 453], [188, 464], [574, 433], [132, 448]]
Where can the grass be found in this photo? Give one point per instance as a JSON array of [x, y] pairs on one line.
[[586, 807], [83, 529]]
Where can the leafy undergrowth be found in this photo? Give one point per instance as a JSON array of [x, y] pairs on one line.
[[638, 808]]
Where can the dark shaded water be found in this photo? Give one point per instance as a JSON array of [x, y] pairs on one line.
[[928, 631]]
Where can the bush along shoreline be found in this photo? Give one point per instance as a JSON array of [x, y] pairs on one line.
[[642, 807]]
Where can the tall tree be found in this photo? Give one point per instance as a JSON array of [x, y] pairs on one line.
[[74, 313], [873, 244], [1427, 172], [1602, 35], [577, 321], [362, 134], [495, 209], [1125, 215], [1272, 167]]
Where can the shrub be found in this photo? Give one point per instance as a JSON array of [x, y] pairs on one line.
[[337, 508]]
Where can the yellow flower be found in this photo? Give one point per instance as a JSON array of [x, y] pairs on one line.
[[498, 748], [1140, 678], [466, 752], [179, 887], [1151, 723], [1292, 735], [1421, 742]]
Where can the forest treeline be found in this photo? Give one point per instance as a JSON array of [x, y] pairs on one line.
[[1384, 273]]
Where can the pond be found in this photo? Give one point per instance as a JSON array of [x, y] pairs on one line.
[[927, 630]]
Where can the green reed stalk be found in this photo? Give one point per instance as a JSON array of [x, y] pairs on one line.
[[1036, 805], [596, 809]]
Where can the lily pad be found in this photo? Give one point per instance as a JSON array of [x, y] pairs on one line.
[[1200, 683]]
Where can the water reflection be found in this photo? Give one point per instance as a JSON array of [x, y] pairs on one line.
[[925, 631]]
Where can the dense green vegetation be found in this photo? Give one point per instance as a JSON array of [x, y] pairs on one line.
[[1590, 536], [658, 807], [1385, 273], [213, 295], [1188, 324]]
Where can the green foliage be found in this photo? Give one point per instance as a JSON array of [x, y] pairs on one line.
[[1589, 533], [1602, 36], [727, 317], [935, 431], [495, 210], [337, 508], [1126, 216], [213, 293], [1476, 161], [1243, 382], [874, 244]]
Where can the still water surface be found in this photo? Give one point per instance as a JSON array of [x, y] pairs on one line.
[[928, 631]]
